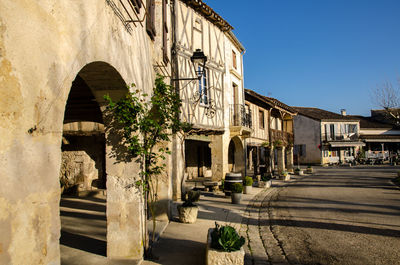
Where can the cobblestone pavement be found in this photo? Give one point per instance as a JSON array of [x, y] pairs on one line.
[[262, 245]]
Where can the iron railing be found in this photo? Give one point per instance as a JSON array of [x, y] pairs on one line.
[[286, 138], [240, 116], [340, 137]]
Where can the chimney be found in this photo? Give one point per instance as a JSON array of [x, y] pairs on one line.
[[343, 112]]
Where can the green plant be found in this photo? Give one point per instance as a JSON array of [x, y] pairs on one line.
[[191, 197], [297, 170], [248, 181], [265, 144], [237, 187], [284, 173], [226, 238], [144, 123], [309, 166], [266, 177], [278, 143], [223, 184]]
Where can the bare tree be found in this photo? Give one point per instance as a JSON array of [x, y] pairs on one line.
[[387, 97]]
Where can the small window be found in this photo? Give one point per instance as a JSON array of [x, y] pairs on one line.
[[203, 87], [261, 117], [137, 4], [234, 63]]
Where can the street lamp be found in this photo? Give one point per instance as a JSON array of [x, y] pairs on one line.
[[199, 61]]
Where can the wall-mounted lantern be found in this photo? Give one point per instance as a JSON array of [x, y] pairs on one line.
[[199, 61]]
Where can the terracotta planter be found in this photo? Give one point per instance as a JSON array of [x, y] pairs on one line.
[[247, 189], [188, 214], [214, 256], [236, 198]]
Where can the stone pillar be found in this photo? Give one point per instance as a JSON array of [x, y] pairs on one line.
[[289, 158], [125, 214], [281, 159], [217, 157]]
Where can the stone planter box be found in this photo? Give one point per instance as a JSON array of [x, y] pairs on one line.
[[188, 214], [218, 257], [286, 177], [247, 189], [265, 184], [236, 198], [300, 172]]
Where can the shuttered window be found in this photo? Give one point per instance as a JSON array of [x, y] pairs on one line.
[[150, 20], [165, 31]]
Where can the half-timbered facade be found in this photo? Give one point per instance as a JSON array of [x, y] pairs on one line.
[[270, 145], [203, 152]]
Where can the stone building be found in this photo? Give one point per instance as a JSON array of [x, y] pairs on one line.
[[57, 61], [324, 137], [214, 146], [380, 135], [270, 145]]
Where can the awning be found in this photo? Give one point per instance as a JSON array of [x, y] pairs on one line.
[[347, 144]]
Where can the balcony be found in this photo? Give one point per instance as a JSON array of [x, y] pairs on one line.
[[340, 137], [240, 120], [285, 137]]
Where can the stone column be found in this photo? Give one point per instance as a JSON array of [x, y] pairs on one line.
[[289, 158], [217, 157], [281, 159]]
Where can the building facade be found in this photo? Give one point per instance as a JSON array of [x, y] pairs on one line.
[[212, 147], [381, 138], [324, 137], [270, 144], [55, 71]]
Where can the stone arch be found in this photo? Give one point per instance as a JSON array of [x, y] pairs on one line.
[[236, 155], [93, 131]]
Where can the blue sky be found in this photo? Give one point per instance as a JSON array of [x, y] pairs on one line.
[[327, 54]]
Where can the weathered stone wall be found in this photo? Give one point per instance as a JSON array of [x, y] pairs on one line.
[[308, 132], [43, 46]]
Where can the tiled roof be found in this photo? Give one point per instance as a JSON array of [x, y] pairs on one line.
[[209, 14], [380, 137], [273, 102], [320, 114], [368, 122]]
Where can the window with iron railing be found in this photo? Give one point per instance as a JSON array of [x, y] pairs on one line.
[[240, 115]]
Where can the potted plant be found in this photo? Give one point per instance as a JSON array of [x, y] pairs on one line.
[[285, 175], [188, 210], [265, 181], [247, 183], [224, 246], [298, 171], [309, 169], [236, 192]]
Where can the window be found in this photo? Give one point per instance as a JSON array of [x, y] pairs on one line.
[[261, 117], [150, 20], [203, 87], [234, 64], [137, 4]]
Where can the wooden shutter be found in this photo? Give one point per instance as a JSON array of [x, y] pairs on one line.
[[150, 21], [165, 31]]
